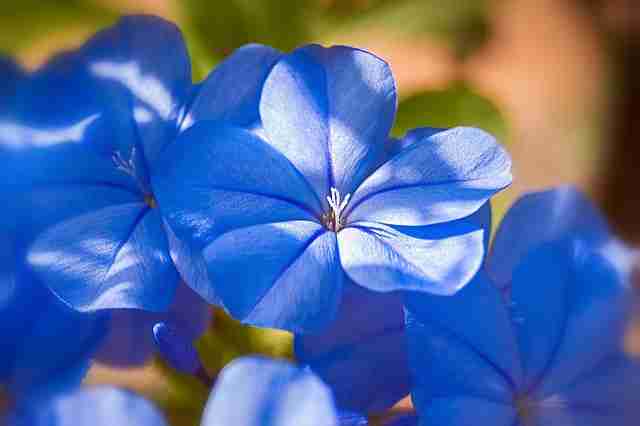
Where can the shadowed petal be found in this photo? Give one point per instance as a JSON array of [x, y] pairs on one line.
[[122, 261], [538, 307], [540, 217], [597, 311], [261, 392], [37, 321], [608, 394], [447, 358], [230, 93], [464, 411], [367, 333], [99, 406], [10, 74], [129, 341], [477, 317], [293, 281], [570, 309], [447, 176]]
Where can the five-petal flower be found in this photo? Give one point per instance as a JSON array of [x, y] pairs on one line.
[[84, 137], [547, 352], [282, 210]]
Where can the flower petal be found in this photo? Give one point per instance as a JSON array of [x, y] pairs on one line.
[[329, 111], [231, 92], [67, 128], [597, 312], [130, 341], [261, 392], [367, 333], [538, 307], [294, 279], [361, 100], [478, 318], [608, 394], [567, 294], [446, 176], [465, 411], [437, 259], [540, 217], [450, 356], [146, 56], [98, 406], [10, 74], [217, 178], [121, 261], [36, 320]]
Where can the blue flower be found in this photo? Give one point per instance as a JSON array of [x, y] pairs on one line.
[[249, 392], [11, 74], [280, 211], [31, 319], [263, 392], [44, 345], [129, 341], [84, 138], [98, 406], [549, 351], [362, 355]]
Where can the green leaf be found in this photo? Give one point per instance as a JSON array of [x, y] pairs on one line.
[[457, 105]]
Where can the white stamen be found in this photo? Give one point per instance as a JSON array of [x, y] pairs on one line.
[[125, 165], [337, 205]]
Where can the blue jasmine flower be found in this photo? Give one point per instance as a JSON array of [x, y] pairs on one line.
[[547, 352], [249, 392], [32, 320], [97, 406], [82, 142], [130, 342], [257, 391], [30, 317], [368, 333], [282, 210]]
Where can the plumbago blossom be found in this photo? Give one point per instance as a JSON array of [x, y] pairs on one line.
[[362, 355], [72, 137], [249, 392], [540, 344], [81, 143], [284, 211], [44, 345], [30, 317]]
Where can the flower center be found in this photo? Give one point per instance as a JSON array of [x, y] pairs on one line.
[[332, 219], [150, 200], [525, 408]]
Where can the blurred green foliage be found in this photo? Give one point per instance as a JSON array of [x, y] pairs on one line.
[[24, 21], [456, 105]]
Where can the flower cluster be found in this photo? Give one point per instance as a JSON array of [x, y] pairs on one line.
[[135, 199]]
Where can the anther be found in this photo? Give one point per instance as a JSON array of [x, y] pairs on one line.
[[333, 219]]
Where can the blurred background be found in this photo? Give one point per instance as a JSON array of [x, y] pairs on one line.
[[556, 80]]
